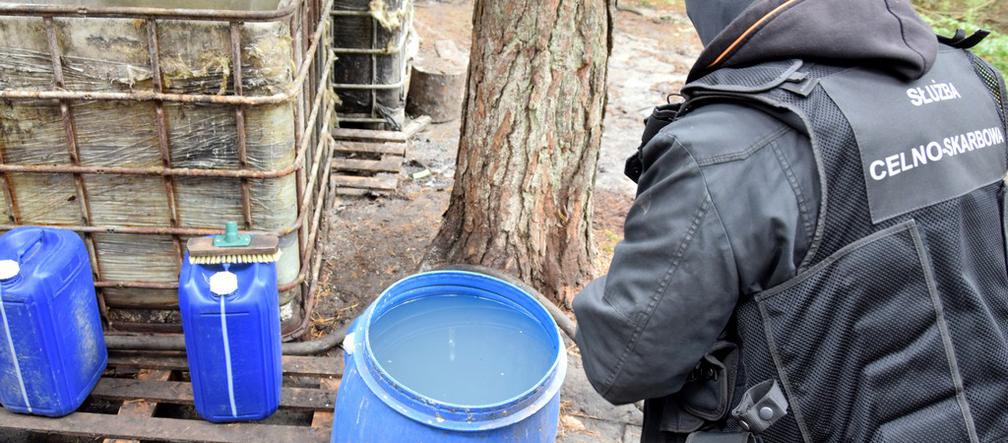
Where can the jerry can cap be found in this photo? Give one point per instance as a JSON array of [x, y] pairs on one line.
[[9, 269], [223, 283]]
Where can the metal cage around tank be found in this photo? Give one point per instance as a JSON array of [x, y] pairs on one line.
[[372, 77], [306, 90]]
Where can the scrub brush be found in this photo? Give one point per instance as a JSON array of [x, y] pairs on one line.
[[233, 247]]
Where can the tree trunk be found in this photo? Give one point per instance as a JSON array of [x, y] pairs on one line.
[[529, 146]]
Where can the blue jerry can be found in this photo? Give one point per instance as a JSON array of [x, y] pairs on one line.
[[52, 350], [231, 320]]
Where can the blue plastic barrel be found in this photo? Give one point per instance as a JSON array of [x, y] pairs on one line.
[[451, 356], [231, 321], [52, 351]]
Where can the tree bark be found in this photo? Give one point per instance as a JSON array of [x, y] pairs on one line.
[[529, 145]]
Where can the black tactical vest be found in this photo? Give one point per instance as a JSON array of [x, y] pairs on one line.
[[896, 327]]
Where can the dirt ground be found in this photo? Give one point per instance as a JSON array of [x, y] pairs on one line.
[[376, 241]]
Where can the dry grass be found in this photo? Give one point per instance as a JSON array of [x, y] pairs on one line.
[[323, 324], [570, 422]]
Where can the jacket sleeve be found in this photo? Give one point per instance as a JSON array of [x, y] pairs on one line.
[[671, 288]]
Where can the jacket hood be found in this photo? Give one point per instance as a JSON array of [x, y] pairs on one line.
[[887, 34], [710, 17]]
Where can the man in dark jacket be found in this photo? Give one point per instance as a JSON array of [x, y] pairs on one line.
[[816, 251]]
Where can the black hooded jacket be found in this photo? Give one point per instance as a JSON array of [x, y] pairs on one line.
[[728, 199]]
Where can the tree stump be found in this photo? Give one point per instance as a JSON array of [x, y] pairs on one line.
[[438, 84], [436, 93]]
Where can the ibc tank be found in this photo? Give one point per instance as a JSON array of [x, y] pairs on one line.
[[52, 350], [231, 322]]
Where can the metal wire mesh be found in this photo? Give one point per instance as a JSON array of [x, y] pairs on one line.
[[256, 128]]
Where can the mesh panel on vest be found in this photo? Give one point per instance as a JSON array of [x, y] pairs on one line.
[[758, 366], [847, 218], [906, 375], [848, 364], [994, 82]]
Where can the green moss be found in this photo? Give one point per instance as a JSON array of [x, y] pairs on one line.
[[994, 49], [948, 15]]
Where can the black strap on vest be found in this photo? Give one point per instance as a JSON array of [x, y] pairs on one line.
[[660, 118], [961, 41], [761, 406]]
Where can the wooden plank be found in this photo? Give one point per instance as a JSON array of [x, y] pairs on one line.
[[141, 299], [173, 392], [292, 365], [388, 163], [370, 148], [324, 419], [410, 129], [381, 183], [368, 135], [358, 192], [313, 366], [414, 126], [141, 408], [83, 424]]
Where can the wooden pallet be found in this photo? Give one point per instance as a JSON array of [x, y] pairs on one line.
[[361, 168], [367, 162], [152, 386], [409, 130]]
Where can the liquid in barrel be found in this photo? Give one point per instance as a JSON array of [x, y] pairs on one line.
[[462, 350]]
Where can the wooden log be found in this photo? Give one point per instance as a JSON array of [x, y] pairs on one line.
[[437, 93]]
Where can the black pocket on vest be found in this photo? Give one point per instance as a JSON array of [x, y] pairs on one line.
[[706, 397], [709, 396], [862, 347]]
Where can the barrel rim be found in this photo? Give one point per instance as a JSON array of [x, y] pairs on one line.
[[453, 416]]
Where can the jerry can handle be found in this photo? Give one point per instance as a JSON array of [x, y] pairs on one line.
[[26, 243]]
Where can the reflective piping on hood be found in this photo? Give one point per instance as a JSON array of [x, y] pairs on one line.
[[755, 26]]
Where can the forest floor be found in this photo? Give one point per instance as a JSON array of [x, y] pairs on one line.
[[376, 241]]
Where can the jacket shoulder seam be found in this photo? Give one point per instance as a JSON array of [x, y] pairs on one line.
[[752, 149], [801, 199]]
